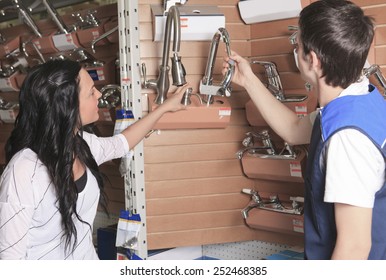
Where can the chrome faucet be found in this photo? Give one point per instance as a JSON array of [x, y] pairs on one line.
[[250, 143], [161, 84], [88, 21], [376, 71], [24, 13], [104, 35], [207, 85], [55, 17], [24, 50], [274, 82], [267, 149], [272, 203]]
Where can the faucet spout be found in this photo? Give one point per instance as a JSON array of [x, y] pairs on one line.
[[207, 85], [55, 17], [161, 84], [23, 11]]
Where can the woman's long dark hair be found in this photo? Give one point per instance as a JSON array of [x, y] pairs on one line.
[[47, 123]]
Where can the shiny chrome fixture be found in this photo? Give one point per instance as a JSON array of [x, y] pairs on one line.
[[376, 71], [274, 83], [161, 84], [207, 85], [24, 50], [272, 203], [24, 13], [88, 21], [55, 17], [260, 144], [104, 35]]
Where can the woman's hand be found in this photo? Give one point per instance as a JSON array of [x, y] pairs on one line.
[[173, 102]]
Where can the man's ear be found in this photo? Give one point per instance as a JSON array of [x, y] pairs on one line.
[[314, 60]]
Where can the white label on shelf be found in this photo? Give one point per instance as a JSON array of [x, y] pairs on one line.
[[298, 225], [224, 112], [64, 42], [301, 110], [295, 169]]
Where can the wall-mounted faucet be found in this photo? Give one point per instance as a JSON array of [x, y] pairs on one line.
[[207, 85], [274, 82], [87, 21], [14, 61], [104, 35], [55, 17], [272, 203], [24, 13], [24, 50], [161, 84], [260, 144]]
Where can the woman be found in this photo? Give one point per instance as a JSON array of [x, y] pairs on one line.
[[50, 189]]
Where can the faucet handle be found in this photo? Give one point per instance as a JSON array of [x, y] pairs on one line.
[[186, 98], [143, 69]]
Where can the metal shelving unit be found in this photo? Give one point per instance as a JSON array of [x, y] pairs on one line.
[[129, 57]]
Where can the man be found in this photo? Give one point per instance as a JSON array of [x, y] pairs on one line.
[[345, 192]]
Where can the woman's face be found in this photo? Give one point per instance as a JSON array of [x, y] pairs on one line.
[[88, 98]]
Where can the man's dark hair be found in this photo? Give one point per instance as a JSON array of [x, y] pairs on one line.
[[340, 34]]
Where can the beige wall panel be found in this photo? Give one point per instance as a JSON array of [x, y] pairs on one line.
[[272, 29], [146, 31], [368, 3], [238, 31], [144, 13], [217, 235], [189, 170], [195, 136], [380, 35], [231, 14], [191, 152], [380, 55], [195, 2], [219, 3], [151, 2], [273, 46], [292, 81], [284, 63], [377, 12], [238, 98], [192, 221], [150, 49], [194, 187], [194, 204], [277, 187]]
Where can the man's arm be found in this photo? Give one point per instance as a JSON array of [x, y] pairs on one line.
[[353, 226]]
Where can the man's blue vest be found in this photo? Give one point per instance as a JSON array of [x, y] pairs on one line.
[[366, 113]]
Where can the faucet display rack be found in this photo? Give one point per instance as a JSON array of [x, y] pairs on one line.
[[129, 55]]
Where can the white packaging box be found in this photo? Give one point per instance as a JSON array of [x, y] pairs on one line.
[[198, 23]]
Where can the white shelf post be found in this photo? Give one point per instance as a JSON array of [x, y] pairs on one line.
[[129, 58]]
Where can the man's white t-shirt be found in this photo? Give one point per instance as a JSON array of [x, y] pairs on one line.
[[355, 167]]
